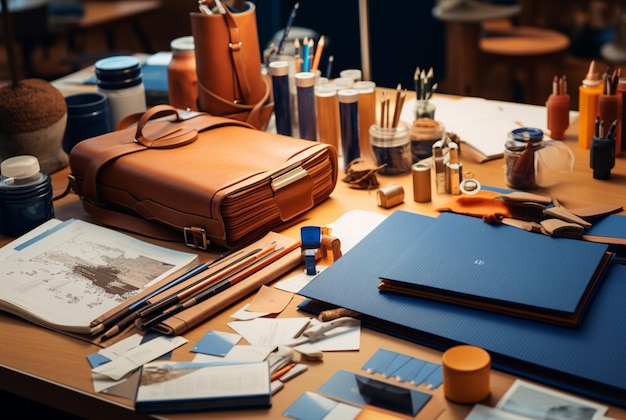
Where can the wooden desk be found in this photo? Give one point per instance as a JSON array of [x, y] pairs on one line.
[[52, 368]]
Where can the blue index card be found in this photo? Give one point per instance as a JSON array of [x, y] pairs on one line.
[[379, 361], [435, 379], [396, 364], [96, 359], [404, 368], [216, 343], [310, 406], [424, 372], [361, 390], [408, 371]]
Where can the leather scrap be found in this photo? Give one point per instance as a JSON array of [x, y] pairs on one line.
[[596, 210], [564, 214], [526, 196], [562, 229], [490, 207], [361, 174]]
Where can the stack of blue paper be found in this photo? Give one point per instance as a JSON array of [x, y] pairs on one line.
[[589, 359]]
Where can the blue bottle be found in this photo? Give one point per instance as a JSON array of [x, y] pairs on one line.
[[279, 71], [25, 195], [349, 117], [305, 90]]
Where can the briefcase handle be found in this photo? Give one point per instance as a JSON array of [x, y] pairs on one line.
[[164, 136]]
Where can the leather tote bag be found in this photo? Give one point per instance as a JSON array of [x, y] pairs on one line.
[[228, 64]]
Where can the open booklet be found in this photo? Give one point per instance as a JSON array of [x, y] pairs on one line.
[[63, 275], [168, 387]]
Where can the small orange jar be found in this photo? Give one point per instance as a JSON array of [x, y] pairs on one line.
[[182, 79], [466, 371]]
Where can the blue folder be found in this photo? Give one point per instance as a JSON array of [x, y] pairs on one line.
[[466, 261], [589, 360]]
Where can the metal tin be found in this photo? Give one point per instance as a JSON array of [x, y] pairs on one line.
[[390, 195]]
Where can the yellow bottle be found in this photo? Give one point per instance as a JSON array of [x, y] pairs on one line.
[[588, 94]]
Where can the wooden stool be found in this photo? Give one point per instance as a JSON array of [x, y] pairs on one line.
[[463, 20], [521, 48]]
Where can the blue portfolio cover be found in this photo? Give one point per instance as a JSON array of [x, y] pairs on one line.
[[589, 360], [466, 261]]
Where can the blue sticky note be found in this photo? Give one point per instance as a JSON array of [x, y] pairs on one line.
[[379, 361], [362, 390], [96, 359], [409, 370], [310, 406], [424, 373], [396, 364], [435, 379], [216, 343]]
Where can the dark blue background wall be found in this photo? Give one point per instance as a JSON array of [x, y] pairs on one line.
[[403, 34]]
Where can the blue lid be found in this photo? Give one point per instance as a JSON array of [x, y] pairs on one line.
[[118, 72], [117, 63], [534, 134]]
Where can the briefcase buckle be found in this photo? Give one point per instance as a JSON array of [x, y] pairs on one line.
[[195, 237]]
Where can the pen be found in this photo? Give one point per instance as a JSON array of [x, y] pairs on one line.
[[282, 371], [611, 132], [329, 66], [292, 16], [304, 327]]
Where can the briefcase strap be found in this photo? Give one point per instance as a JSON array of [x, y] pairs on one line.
[[255, 111], [133, 224]]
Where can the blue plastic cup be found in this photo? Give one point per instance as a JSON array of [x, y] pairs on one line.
[[88, 115]]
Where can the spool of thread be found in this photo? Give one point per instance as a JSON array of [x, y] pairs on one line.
[[466, 371]]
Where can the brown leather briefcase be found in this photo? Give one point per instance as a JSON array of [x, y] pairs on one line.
[[200, 179]]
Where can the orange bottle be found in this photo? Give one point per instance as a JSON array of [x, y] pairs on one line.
[[588, 95]]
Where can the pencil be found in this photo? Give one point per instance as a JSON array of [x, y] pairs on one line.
[[206, 281], [205, 294], [282, 371], [318, 54], [125, 317], [397, 106]]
